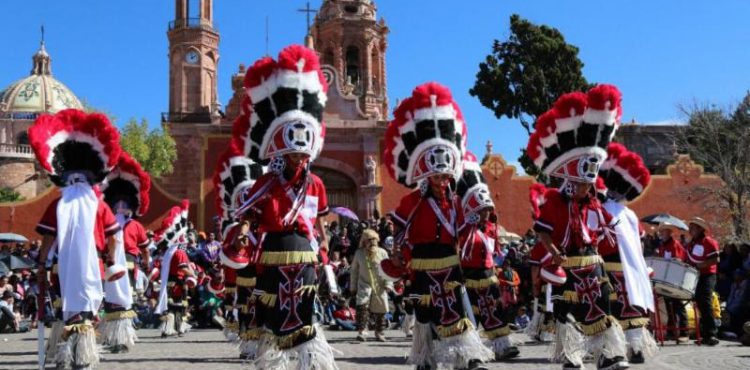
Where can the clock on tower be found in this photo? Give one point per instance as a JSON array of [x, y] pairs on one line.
[[193, 61]]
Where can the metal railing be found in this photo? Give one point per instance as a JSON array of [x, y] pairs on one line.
[[197, 117], [19, 115], [191, 23], [16, 151]]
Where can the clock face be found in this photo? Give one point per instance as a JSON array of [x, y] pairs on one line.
[[191, 57]]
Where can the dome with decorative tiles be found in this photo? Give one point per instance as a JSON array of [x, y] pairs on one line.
[[37, 93]]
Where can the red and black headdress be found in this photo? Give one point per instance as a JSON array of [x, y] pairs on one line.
[[235, 173], [624, 173], [287, 96], [174, 225], [537, 198], [128, 182], [472, 188], [427, 136], [571, 139], [72, 141]]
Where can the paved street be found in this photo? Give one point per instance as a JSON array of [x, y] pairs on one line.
[[207, 350]]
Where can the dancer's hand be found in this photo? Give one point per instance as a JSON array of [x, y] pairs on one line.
[[559, 259]]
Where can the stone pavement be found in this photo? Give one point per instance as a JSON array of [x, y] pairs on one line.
[[206, 349]]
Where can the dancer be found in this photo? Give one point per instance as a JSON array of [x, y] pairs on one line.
[[542, 325], [288, 96], [126, 191], [77, 150], [175, 272], [478, 237], [425, 144], [624, 178], [570, 144], [235, 175]]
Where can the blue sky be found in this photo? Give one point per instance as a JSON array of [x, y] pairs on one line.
[[660, 53]]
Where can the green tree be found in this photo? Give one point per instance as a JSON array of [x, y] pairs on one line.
[[9, 195], [719, 139], [524, 75], [155, 150]]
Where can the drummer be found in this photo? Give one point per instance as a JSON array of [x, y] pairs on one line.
[[671, 248], [703, 253]]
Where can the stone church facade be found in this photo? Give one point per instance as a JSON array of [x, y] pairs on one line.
[[352, 44]]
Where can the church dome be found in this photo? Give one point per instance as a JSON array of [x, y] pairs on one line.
[[37, 93]]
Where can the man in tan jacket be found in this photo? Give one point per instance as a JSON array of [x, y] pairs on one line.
[[370, 289]]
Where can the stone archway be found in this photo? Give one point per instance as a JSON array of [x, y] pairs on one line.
[[341, 189]]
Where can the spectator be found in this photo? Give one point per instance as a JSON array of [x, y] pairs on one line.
[[4, 284], [7, 317], [729, 261], [34, 249], [522, 319], [738, 302]]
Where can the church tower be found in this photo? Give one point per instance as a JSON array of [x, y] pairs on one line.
[[349, 37], [193, 61]]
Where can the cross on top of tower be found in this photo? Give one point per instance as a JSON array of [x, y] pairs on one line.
[[307, 10]]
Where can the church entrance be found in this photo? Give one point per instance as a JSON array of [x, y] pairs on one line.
[[341, 189]]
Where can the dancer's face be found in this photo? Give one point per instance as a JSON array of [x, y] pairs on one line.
[[296, 159], [581, 190], [438, 183]]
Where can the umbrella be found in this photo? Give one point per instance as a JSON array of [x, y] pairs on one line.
[[12, 238], [507, 237], [345, 212], [658, 218], [13, 262], [4, 270]]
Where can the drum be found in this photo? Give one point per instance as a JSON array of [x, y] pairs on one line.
[[673, 278]]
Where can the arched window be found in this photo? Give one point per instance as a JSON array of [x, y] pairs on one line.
[[352, 64], [194, 9], [328, 57], [22, 138], [376, 70]]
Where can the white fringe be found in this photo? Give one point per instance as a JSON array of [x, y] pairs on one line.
[[315, 354], [535, 325], [80, 350], [500, 344], [422, 346], [118, 333], [167, 326], [569, 345], [269, 356], [231, 335], [456, 351], [610, 343], [54, 339], [249, 349], [407, 325], [184, 326], [641, 340]]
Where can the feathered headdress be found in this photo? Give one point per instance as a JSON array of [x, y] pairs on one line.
[[427, 136], [472, 188], [234, 174], [287, 99], [174, 225], [537, 198], [624, 173], [72, 141], [571, 139], [128, 182]]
